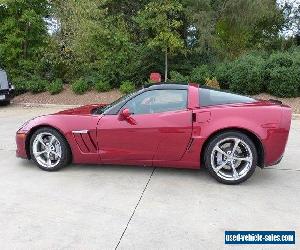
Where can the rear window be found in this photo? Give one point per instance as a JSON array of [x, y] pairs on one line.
[[210, 97]]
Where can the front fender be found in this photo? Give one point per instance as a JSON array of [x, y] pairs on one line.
[[66, 125]]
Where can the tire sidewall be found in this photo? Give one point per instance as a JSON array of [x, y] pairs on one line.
[[215, 140]]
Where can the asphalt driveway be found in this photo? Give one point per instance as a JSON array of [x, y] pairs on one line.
[[108, 207]]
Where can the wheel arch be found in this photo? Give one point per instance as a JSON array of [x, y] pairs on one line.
[[34, 129], [256, 140]]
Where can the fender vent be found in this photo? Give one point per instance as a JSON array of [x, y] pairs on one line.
[[84, 141]]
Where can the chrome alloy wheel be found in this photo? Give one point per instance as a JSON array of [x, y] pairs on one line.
[[231, 159], [46, 149]]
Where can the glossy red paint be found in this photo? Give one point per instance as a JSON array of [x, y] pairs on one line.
[[83, 110], [168, 139], [193, 97], [140, 144]]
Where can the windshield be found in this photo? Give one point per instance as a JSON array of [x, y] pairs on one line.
[[107, 107]]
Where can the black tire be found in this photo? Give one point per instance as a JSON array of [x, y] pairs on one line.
[[220, 138], [5, 103], [66, 156]]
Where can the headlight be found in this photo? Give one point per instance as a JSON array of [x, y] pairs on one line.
[[23, 127]]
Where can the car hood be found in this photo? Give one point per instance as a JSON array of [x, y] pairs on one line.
[[83, 110]]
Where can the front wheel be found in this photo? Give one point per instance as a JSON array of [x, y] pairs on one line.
[[231, 157], [49, 149]]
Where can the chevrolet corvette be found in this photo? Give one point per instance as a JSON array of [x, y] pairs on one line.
[[163, 125]]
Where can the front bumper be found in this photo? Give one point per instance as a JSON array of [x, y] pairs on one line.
[[21, 145], [276, 162], [7, 94]]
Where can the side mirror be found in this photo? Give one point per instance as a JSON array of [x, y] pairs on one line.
[[125, 113]]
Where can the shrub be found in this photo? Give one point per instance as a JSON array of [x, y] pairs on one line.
[[55, 87], [246, 75], [79, 87], [177, 77], [223, 74], [127, 87], [284, 81], [200, 73], [102, 86], [213, 83], [37, 85], [296, 55], [20, 84], [92, 77], [282, 74], [279, 59]]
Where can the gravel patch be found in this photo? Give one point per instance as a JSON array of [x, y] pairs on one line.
[[67, 97]]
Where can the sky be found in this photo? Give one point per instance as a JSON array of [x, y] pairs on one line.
[[295, 4]]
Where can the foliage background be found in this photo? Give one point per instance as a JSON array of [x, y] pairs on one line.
[[248, 46]]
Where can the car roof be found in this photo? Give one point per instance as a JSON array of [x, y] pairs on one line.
[[177, 85], [164, 85]]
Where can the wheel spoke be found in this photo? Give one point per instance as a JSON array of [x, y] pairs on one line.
[[36, 154], [218, 168], [235, 174], [236, 143], [52, 139], [40, 140], [221, 151], [49, 163], [56, 154], [248, 159]]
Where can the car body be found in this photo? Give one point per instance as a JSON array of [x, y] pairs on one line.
[[168, 125], [6, 88]]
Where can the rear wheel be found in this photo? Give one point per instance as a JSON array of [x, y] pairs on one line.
[[49, 149], [231, 157]]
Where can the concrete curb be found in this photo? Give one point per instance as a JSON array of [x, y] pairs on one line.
[[48, 105], [295, 116]]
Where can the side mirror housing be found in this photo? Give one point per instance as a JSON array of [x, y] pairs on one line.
[[125, 113]]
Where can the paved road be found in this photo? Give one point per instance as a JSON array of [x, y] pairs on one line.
[[104, 207]]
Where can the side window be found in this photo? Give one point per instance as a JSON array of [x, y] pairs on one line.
[[210, 97], [157, 101]]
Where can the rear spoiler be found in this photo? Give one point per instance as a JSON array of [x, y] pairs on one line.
[[275, 101]]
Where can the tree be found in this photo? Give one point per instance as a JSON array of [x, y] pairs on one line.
[[98, 40], [248, 24], [125, 40], [161, 21], [22, 34], [229, 28], [291, 10]]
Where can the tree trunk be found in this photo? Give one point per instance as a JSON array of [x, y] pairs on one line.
[[25, 42], [166, 65]]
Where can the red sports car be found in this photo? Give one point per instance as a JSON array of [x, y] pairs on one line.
[[164, 125]]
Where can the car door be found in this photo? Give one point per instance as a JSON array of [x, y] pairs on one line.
[[158, 126]]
